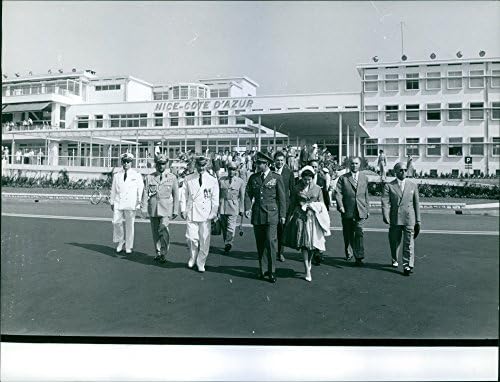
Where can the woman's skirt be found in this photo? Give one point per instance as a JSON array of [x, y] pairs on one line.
[[298, 231]]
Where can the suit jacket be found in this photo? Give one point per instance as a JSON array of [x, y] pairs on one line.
[[126, 194], [200, 203], [299, 196], [321, 182], [351, 198], [269, 200], [288, 182], [161, 196], [401, 208], [231, 196]]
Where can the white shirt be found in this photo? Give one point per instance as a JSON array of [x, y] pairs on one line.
[[355, 175], [266, 173], [401, 184], [279, 170]]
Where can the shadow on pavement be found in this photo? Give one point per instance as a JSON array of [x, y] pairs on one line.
[[136, 257], [340, 262], [251, 272]]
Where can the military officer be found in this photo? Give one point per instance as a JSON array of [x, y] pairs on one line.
[[231, 203], [199, 205], [160, 201], [267, 191]]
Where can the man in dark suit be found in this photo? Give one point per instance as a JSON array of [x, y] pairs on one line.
[[352, 203], [401, 209], [320, 180], [266, 190], [289, 182]]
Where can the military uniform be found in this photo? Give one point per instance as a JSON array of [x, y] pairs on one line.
[[200, 204], [269, 206], [161, 196], [231, 204]]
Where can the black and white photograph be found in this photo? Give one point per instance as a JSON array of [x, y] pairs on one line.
[[307, 185]]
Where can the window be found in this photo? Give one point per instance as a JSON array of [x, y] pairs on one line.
[[201, 93], [476, 78], [175, 92], [495, 78], [433, 147], [455, 79], [392, 147], [371, 113], [412, 81], [223, 117], [391, 82], [371, 147], [455, 147], [495, 110], [192, 92], [184, 92], [174, 118], [206, 118], [371, 82], [129, 120], [219, 93], [477, 146], [158, 119], [240, 120], [433, 81], [434, 112], [412, 147], [476, 110], [455, 111], [189, 118], [391, 113], [98, 120], [83, 121], [62, 116], [412, 113], [99, 88], [158, 96], [496, 146]]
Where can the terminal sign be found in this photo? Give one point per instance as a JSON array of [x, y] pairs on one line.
[[242, 103]]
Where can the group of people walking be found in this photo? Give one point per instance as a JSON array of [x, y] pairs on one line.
[[285, 211]]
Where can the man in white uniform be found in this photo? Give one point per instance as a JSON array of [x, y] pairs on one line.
[[199, 206], [125, 199]]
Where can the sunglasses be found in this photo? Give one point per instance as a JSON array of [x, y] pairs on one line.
[[126, 161], [402, 169]]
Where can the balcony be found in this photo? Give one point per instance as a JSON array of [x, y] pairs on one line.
[[64, 88]]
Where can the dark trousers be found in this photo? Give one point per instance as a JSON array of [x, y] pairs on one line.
[[280, 230], [352, 229], [267, 242]]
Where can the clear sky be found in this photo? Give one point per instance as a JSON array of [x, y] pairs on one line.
[[286, 47]]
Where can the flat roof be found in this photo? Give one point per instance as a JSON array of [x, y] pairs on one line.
[[230, 79]]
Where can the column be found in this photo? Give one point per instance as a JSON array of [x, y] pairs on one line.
[[347, 142], [90, 154], [355, 144], [340, 138], [238, 139], [54, 153], [136, 148], [274, 137], [360, 153], [259, 141]]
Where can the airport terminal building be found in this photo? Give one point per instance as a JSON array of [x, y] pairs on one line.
[[440, 112]]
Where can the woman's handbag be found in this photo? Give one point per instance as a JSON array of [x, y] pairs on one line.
[[216, 228]]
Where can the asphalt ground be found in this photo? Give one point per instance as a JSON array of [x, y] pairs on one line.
[[62, 277]]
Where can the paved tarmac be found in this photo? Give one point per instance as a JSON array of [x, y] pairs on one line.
[[62, 277]]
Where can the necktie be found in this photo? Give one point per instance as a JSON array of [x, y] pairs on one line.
[[355, 181], [161, 177], [200, 180], [262, 176], [125, 176]]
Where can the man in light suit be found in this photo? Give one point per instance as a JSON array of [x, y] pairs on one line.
[[289, 182], [199, 206], [231, 203], [160, 201], [401, 210], [125, 199], [352, 203], [266, 190]]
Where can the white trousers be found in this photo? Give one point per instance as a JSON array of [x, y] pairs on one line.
[[198, 240], [127, 218]]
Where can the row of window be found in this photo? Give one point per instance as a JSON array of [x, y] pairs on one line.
[[433, 146], [183, 92], [433, 80], [140, 120], [100, 88], [433, 112]]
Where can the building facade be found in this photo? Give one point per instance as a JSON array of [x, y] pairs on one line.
[[439, 112]]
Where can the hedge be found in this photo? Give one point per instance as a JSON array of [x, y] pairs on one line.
[[471, 191]]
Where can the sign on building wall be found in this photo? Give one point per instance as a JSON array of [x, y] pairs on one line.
[[243, 103]]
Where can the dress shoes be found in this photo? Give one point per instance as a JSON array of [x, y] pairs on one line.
[[162, 259], [157, 257], [407, 271], [128, 251], [308, 278], [359, 262], [395, 264], [201, 269], [119, 247], [272, 278], [281, 257], [227, 248], [191, 263]]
